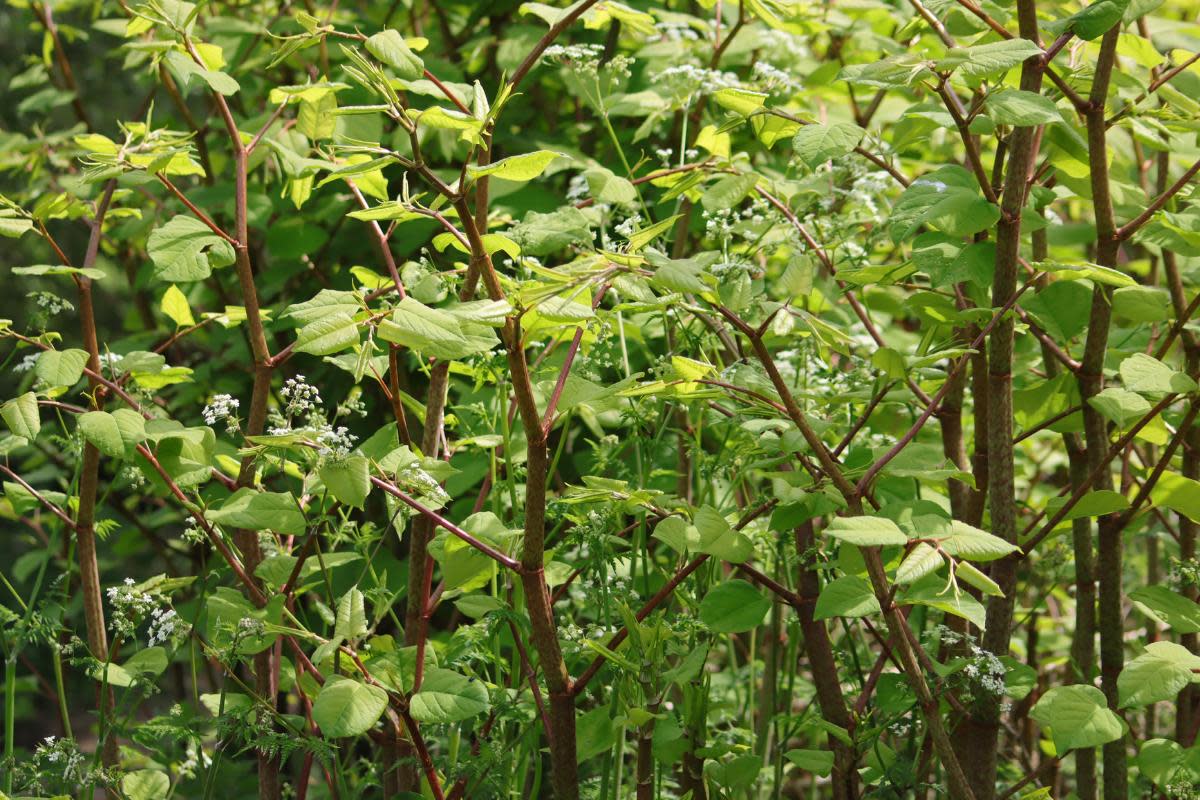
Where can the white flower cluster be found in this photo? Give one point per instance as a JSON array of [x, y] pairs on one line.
[[195, 759], [985, 670], [27, 363], [222, 407], [582, 57], [774, 80], [577, 189], [673, 31], [64, 756], [49, 303], [299, 397], [336, 442], [165, 625], [867, 189], [629, 226], [687, 80], [130, 607], [719, 224]]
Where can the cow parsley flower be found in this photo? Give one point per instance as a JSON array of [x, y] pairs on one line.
[[299, 397], [165, 625], [335, 442], [49, 303], [222, 407]]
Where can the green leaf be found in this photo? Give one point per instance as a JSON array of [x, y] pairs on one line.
[[848, 596], [1095, 20], [1077, 716], [347, 479], [986, 60], [866, 531], [327, 335], [818, 762], [1158, 674], [921, 561], [60, 269], [1166, 763], [1179, 613], [1021, 108], [185, 249], [815, 144], [1120, 405], [733, 607], [607, 187], [149, 662], [447, 696], [739, 101], [13, 227], [718, 538], [1172, 491], [176, 306], [101, 430], [391, 48], [21, 416], [948, 199], [893, 72], [932, 591], [543, 234], [644, 236], [145, 784], [61, 367], [524, 167], [1141, 304], [434, 332], [1147, 375], [968, 542], [260, 511], [728, 192], [132, 426], [1092, 504], [351, 622], [346, 707], [967, 572]]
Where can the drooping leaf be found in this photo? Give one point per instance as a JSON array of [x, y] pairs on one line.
[[101, 429], [718, 538], [21, 416], [61, 367], [391, 48], [347, 479], [185, 249], [733, 607], [447, 696], [524, 167], [866, 531], [815, 144], [1077, 716], [259, 511], [848, 596], [1157, 674], [347, 707], [988, 60], [1179, 613]]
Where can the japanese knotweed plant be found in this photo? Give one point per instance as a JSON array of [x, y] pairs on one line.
[[694, 399]]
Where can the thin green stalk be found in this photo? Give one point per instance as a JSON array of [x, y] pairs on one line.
[[10, 716]]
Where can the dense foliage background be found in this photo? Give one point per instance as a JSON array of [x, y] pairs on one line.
[[703, 399]]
